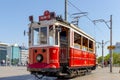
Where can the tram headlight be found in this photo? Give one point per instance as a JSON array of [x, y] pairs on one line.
[[43, 50], [39, 58]]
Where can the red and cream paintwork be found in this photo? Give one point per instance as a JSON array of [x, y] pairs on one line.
[[51, 56], [81, 58]]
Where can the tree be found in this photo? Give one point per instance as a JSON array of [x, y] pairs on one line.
[[116, 58], [99, 59], [107, 57]]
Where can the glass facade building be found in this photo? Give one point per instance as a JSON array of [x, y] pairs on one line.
[[14, 54], [3, 52]]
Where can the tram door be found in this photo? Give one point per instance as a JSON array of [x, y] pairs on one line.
[[64, 46]]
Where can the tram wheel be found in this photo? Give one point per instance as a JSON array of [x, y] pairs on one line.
[[38, 76]]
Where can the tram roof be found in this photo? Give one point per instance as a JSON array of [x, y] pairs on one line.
[[69, 25], [62, 23]]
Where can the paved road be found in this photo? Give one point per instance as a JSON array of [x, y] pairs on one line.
[[102, 74], [20, 73]]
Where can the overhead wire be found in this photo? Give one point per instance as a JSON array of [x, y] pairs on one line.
[[86, 17], [79, 10]]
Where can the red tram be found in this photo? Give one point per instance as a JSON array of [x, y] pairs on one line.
[[57, 47]]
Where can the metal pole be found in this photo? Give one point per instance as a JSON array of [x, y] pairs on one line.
[[12, 55], [6, 59], [66, 10], [111, 60], [102, 53], [20, 57], [95, 49]]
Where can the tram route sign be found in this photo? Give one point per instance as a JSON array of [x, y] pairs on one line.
[[111, 47]]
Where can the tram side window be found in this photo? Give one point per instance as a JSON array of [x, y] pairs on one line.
[[77, 41], [36, 36], [43, 35], [90, 46], [51, 35], [85, 44]]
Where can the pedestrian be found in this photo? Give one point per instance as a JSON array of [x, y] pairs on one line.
[[1, 63], [108, 62]]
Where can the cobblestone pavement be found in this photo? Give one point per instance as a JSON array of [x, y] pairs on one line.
[[20, 73]]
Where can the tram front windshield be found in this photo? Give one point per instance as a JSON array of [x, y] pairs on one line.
[[44, 36]]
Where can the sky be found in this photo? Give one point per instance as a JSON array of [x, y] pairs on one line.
[[14, 18]]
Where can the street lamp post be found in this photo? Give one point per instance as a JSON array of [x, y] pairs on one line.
[[110, 27], [102, 53], [111, 57], [102, 44], [6, 59]]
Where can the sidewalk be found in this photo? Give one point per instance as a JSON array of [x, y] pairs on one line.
[[98, 74], [102, 74], [7, 71]]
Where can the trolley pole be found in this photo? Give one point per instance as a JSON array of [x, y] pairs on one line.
[[66, 10]]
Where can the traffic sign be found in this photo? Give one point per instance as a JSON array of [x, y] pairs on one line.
[[111, 47]]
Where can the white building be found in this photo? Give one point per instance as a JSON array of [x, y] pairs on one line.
[[23, 56], [117, 48]]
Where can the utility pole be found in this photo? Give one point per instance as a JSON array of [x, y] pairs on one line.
[[111, 57], [102, 45], [111, 47], [66, 1], [102, 53]]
